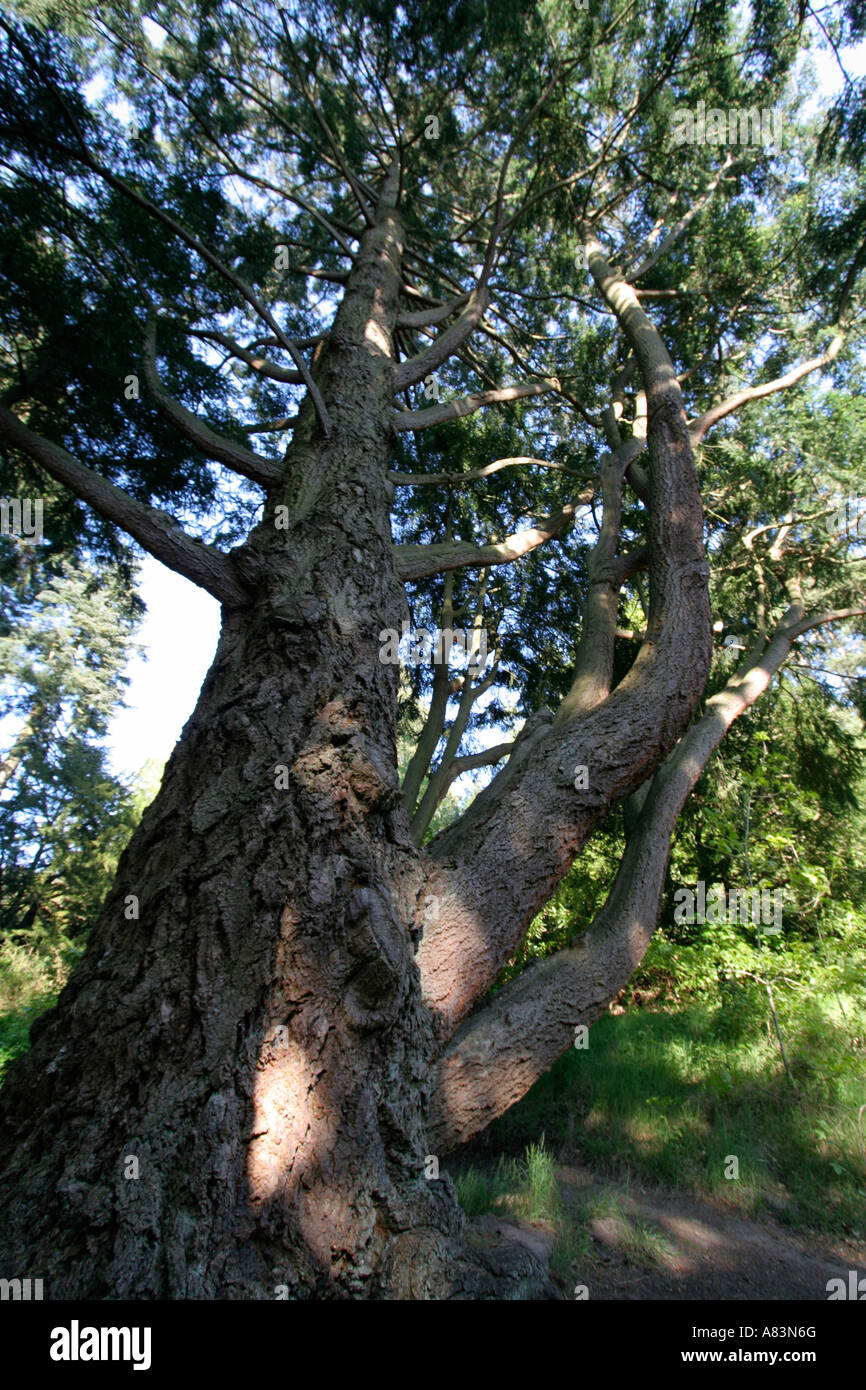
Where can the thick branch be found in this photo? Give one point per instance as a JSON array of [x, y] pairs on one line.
[[153, 529], [446, 343], [425, 318], [468, 762], [537, 820], [416, 561], [502, 1050]]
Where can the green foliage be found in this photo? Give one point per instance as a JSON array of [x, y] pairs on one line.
[[31, 977], [572, 907], [64, 819], [219, 125], [667, 1094], [527, 1189]]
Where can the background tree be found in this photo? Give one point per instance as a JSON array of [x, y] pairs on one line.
[[397, 223], [63, 817]]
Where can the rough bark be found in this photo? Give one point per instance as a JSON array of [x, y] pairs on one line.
[[231, 1095], [245, 1032], [533, 817]]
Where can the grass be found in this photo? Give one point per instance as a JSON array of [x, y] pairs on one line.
[[640, 1242], [30, 980], [667, 1096], [672, 1097], [525, 1188]]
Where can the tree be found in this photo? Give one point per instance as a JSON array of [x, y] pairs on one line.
[[63, 817], [400, 223]]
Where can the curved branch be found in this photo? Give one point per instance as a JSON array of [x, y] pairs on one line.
[[425, 479], [259, 364], [537, 818], [699, 427], [502, 1050], [416, 561], [426, 318], [414, 369]]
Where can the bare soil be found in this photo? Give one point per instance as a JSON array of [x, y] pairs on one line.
[[664, 1245]]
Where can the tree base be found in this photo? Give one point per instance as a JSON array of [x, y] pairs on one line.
[[485, 1266]]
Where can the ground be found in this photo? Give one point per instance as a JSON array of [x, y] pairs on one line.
[[642, 1243]]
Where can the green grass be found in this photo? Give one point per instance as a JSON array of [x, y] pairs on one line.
[[672, 1096], [30, 980], [667, 1095], [640, 1242], [525, 1188]]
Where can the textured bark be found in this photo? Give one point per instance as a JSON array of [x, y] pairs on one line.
[[502, 1050], [246, 1023], [533, 817], [231, 1095], [157, 532]]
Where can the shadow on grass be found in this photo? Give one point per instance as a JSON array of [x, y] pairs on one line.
[[698, 1100]]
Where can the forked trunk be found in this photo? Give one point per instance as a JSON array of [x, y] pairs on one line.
[[229, 1099]]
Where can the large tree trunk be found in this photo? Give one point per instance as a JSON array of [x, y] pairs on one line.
[[230, 1095], [229, 1099], [254, 1038]]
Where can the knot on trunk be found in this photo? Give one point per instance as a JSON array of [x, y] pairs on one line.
[[377, 949]]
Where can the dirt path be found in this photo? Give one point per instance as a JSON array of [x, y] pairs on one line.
[[654, 1244]]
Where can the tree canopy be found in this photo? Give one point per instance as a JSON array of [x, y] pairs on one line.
[[543, 318]]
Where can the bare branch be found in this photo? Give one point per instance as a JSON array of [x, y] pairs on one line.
[[416, 561], [444, 346], [424, 318], [467, 405], [261, 365], [470, 761], [539, 816], [501, 1050], [699, 427], [215, 446], [425, 479]]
